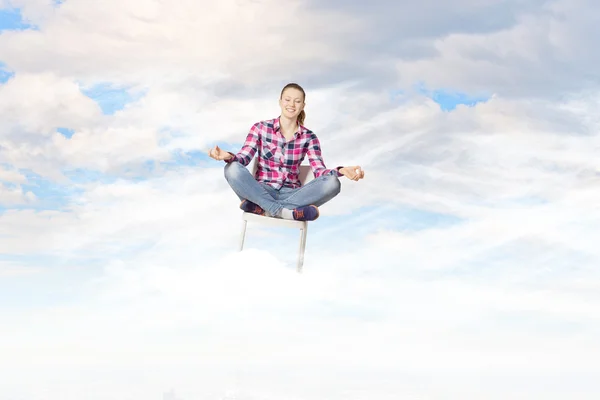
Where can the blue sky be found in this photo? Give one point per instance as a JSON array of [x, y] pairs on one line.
[[466, 253], [448, 99], [11, 19], [66, 132], [5, 75], [110, 98]]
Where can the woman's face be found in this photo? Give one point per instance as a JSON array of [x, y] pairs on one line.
[[291, 103]]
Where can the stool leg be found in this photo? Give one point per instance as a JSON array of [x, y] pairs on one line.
[[303, 232], [243, 235]]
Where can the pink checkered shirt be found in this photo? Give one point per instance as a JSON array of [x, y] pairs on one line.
[[278, 161]]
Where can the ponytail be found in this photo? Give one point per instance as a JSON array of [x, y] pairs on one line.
[[301, 117]]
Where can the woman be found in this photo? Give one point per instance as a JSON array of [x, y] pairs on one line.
[[282, 143]]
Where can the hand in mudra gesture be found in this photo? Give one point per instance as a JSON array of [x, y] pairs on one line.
[[219, 154], [353, 173]]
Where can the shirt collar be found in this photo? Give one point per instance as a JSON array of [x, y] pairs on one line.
[[277, 126]]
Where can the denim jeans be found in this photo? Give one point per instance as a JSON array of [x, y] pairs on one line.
[[317, 192]]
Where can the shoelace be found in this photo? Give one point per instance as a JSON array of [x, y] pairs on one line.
[[299, 214]]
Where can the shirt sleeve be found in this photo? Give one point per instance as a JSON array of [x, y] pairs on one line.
[[244, 156], [316, 159]]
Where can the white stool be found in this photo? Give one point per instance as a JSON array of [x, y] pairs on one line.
[[305, 176]]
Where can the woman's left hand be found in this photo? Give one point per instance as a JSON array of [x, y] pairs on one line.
[[353, 173]]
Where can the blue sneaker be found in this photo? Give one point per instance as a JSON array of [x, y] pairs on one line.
[[306, 213], [250, 207]]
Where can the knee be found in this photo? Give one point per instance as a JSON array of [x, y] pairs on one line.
[[332, 184], [232, 170]]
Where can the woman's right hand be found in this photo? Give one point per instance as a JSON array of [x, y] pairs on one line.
[[218, 154]]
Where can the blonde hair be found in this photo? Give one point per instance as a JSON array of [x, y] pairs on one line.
[[302, 115]]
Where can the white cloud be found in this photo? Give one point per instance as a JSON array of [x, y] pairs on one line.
[[14, 195], [37, 103], [544, 55], [246, 314], [11, 176], [15, 269], [145, 39], [180, 205]]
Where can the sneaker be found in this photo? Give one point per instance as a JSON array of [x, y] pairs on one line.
[[306, 213], [250, 207]]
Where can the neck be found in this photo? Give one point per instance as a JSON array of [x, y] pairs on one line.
[[288, 125]]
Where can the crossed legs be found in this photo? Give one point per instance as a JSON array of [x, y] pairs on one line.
[[317, 192]]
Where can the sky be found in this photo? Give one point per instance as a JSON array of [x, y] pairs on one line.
[[463, 266]]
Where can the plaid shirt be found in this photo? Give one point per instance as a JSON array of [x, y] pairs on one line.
[[278, 161]]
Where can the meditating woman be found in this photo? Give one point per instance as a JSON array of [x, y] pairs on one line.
[[282, 143]]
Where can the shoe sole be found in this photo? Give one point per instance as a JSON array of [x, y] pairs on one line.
[[318, 213]]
